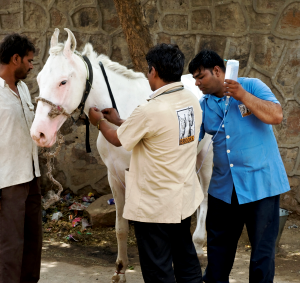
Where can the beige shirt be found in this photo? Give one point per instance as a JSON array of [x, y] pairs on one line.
[[161, 184], [18, 152]]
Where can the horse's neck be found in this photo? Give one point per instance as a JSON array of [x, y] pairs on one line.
[[128, 93]]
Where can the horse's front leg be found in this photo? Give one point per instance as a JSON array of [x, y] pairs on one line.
[[204, 176], [121, 229]]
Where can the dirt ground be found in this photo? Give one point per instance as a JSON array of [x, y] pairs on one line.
[[92, 258]]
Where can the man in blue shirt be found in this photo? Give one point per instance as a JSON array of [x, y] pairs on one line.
[[248, 174]]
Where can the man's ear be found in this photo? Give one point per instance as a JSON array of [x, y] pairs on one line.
[[217, 71], [154, 72], [15, 59]]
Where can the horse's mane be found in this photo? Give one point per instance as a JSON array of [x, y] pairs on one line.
[[56, 50], [95, 58]]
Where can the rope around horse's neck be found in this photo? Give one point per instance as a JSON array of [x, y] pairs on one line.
[[49, 155], [54, 112], [55, 109]]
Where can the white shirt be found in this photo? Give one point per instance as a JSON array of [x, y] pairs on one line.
[[18, 152]]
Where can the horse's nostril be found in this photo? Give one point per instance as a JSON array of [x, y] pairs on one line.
[[42, 136]]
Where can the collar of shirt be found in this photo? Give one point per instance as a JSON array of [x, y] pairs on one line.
[[165, 88], [216, 98], [154, 92], [2, 82], [217, 104]]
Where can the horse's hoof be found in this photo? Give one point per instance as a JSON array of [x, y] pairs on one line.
[[118, 278]]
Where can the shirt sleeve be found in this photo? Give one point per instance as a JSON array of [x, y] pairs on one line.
[[202, 130], [260, 90], [133, 129]]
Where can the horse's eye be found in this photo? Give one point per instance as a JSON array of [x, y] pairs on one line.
[[63, 83]]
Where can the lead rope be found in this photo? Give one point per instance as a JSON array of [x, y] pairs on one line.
[[50, 155], [55, 111]]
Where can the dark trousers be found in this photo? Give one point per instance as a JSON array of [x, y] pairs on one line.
[[21, 233], [161, 245], [224, 224]]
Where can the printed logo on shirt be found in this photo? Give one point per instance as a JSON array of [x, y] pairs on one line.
[[244, 110], [186, 120]]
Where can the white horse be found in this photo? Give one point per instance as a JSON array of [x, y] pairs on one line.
[[62, 81]]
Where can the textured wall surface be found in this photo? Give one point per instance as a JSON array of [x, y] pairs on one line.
[[264, 35]]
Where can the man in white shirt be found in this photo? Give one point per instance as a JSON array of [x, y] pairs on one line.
[[20, 194]]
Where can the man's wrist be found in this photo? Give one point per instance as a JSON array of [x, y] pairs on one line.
[[99, 121], [120, 122]]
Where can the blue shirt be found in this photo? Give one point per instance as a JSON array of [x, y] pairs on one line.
[[245, 150]]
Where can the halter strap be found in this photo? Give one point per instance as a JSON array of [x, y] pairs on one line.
[[88, 86], [108, 86], [88, 83]]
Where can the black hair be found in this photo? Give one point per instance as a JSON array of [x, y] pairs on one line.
[[168, 61], [207, 59], [15, 44]]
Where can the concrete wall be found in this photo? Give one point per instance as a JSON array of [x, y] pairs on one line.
[[264, 35]]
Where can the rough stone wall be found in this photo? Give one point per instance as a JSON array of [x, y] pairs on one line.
[[264, 35]]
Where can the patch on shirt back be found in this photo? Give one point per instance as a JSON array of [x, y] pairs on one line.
[[186, 120], [244, 110]]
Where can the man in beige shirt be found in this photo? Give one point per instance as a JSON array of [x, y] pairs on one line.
[[20, 201], [162, 189]]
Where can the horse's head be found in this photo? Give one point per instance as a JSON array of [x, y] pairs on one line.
[[61, 82]]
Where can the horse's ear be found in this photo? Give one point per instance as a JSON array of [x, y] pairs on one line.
[[54, 38], [70, 45]]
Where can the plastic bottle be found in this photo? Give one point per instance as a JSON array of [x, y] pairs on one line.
[[232, 70]]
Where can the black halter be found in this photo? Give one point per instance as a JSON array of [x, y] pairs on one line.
[[88, 86]]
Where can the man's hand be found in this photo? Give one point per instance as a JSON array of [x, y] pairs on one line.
[[266, 111], [234, 89], [107, 129], [95, 115], [112, 115]]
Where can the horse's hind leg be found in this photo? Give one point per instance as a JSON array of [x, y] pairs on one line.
[[205, 176], [121, 229]]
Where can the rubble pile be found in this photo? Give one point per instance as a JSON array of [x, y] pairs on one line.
[[84, 220]]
